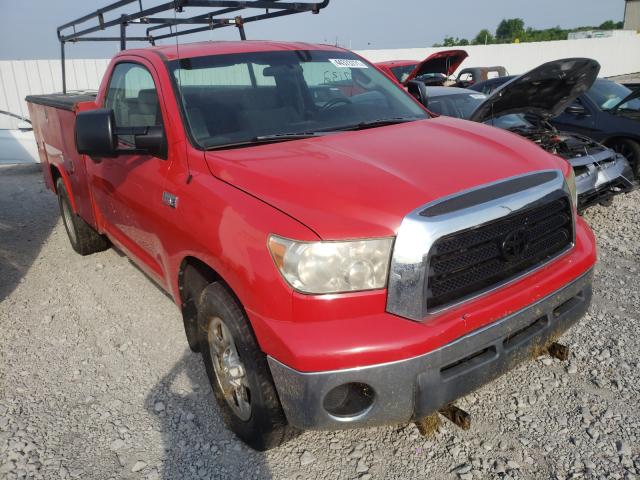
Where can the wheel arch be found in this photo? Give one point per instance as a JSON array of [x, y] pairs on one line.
[[194, 275], [613, 138], [58, 173]]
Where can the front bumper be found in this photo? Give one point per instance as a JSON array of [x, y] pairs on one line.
[[599, 184], [414, 388]]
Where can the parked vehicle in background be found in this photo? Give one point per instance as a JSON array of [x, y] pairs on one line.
[[525, 105], [608, 113], [472, 75], [340, 258], [17, 144], [436, 69]]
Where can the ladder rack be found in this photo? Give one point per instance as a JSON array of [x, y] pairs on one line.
[[224, 13]]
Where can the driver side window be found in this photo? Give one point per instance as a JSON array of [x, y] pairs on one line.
[[133, 97]]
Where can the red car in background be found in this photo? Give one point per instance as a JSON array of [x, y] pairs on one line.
[[434, 70]]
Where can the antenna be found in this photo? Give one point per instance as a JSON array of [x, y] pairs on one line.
[[80, 29]]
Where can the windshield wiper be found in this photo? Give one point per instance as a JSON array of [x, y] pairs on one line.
[[265, 139], [381, 122]]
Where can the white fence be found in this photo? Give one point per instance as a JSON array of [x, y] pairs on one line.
[[617, 55], [19, 78]]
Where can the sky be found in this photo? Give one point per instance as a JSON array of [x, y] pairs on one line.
[[28, 27]]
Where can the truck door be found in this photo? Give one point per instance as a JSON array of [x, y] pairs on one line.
[[127, 189]]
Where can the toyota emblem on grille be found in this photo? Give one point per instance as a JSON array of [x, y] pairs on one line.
[[515, 244]]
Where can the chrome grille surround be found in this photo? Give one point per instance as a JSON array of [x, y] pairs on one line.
[[407, 289]]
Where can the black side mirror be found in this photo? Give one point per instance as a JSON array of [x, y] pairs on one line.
[[576, 109], [97, 136], [152, 140], [419, 91], [95, 133]]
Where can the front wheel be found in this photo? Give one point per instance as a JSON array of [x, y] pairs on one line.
[[238, 371], [630, 149]]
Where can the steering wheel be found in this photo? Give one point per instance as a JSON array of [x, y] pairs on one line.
[[334, 102]]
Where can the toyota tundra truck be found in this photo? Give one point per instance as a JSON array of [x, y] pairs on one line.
[[340, 259]]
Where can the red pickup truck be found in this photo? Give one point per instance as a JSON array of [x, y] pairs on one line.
[[340, 258]]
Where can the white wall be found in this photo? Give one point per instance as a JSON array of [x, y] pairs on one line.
[[617, 55], [19, 78]]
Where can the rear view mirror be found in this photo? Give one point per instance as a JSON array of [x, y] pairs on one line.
[[576, 109], [95, 133], [97, 136], [418, 90]]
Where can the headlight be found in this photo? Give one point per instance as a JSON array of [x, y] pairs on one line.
[[332, 267], [571, 185]]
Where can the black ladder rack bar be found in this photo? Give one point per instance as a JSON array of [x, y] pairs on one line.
[[212, 20], [225, 23], [209, 15]]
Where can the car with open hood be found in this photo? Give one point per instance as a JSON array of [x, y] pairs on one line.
[[526, 104], [436, 69], [609, 112]]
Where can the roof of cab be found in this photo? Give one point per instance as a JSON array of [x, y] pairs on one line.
[[201, 49]]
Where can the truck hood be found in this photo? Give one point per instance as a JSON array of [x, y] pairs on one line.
[[545, 91], [445, 62], [362, 183]]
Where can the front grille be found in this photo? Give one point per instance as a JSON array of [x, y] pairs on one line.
[[471, 261]]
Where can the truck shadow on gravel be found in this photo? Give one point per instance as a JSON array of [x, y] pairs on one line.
[[197, 444], [28, 214]]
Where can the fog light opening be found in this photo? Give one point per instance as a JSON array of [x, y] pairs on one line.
[[349, 400]]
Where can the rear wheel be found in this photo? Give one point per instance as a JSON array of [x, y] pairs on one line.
[[84, 239], [630, 149], [238, 371]]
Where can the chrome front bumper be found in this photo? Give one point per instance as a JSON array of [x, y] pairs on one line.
[[602, 181], [411, 389]]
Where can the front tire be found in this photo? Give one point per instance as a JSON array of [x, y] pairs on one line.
[[238, 371], [84, 239], [630, 149]]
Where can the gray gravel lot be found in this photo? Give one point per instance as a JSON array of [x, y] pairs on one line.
[[96, 380]]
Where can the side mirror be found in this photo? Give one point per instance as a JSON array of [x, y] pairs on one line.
[[150, 140], [97, 136], [576, 109], [419, 91], [95, 133]]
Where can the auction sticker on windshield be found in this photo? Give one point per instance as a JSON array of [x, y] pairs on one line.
[[347, 63]]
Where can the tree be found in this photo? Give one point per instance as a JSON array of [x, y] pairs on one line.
[[513, 28], [611, 25], [454, 42], [484, 37], [510, 29]]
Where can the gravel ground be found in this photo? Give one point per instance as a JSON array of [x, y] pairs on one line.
[[96, 380]]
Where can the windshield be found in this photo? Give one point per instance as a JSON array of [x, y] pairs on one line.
[[236, 98], [403, 72], [456, 105], [608, 94]]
